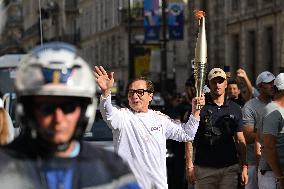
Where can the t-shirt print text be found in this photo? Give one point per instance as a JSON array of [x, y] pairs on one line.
[[156, 128]]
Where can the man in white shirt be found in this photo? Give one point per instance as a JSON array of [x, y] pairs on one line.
[[271, 165], [140, 133]]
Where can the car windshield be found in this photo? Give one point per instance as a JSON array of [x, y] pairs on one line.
[[100, 131]]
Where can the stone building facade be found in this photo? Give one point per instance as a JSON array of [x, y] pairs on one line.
[[247, 34], [104, 35], [12, 29], [254, 35], [108, 36], [103, 32], [244, 34], [49, 20]]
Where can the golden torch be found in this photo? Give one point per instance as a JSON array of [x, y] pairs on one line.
[[200, 59]]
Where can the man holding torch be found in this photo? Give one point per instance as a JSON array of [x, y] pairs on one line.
[[216, 164]]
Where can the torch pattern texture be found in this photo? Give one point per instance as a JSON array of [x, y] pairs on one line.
[[200, 60]]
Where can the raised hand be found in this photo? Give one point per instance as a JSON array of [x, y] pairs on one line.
[[104, 80], [241, 73]]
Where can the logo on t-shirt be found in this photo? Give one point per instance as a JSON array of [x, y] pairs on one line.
[[156, 128]]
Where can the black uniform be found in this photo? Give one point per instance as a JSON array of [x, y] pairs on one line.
[[215, 146], [24, 164]]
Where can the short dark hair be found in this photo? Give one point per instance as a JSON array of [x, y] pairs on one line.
[[233, 81], [149, 83]]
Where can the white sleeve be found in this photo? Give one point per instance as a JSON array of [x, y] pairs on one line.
[[111, 115], [182, 132]]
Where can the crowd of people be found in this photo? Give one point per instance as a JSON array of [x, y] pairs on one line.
[[235, 140], [239, 140]]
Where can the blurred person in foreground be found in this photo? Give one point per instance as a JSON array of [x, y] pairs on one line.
[[56, 103], [140, 133], [271, 165], [219, 142], [252, 119]]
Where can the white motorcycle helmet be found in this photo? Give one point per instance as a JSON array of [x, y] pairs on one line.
[[55, 69]]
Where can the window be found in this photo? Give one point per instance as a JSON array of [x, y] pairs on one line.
[[235, 51], [235, 4], [268, 48], [251, 3], [267, 1], [113, 51], [251, 54]]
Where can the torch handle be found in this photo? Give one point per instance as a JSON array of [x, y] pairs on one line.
[[198, 107]]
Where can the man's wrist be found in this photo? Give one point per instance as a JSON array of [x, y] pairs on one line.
[[196, 114], [106, 93]]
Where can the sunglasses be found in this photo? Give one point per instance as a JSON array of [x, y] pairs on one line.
[[49, 108], [139, 92]]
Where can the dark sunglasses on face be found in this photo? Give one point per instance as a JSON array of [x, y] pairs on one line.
[[217, 80], [49, 108], [139, 92]]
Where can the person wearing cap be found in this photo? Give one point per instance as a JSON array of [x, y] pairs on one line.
[[252, 115], [216, 161], [56, 103], [271, 165], [140, 133]]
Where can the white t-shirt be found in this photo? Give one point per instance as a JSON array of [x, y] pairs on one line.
[[140, 139]]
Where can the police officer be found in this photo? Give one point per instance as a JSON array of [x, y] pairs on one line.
[[56, 102]]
